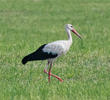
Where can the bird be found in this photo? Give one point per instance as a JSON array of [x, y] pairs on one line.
[[51, 51]]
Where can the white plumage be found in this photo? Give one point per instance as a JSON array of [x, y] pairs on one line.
[[57, 47]]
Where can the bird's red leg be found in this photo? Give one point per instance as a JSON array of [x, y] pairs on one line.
[[50, 74], [54, 76], [57, 77], [45, 70]]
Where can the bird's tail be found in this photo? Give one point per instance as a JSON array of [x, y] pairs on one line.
[[25, 60], [29, 57]]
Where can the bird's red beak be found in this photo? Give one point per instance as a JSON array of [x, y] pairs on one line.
[[74, 31]]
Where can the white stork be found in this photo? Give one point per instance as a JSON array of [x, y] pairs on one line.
[[51, 51]]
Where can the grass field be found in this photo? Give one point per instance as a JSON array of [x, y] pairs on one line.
[[26, 24]]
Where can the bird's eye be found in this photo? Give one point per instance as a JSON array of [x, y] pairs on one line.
[[71, 26]]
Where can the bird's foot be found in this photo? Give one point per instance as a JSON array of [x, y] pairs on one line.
[[45, 71], [57, 77]]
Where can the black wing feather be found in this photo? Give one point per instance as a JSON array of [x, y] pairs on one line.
[[38, 55]]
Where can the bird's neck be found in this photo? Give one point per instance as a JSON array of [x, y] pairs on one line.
[[69, 35]]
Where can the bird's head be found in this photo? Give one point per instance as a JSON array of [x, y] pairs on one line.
[[71, 28]]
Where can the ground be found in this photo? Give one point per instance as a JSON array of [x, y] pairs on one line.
[[85, 69]]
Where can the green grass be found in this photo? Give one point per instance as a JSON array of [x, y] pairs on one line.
[[26, 24]]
